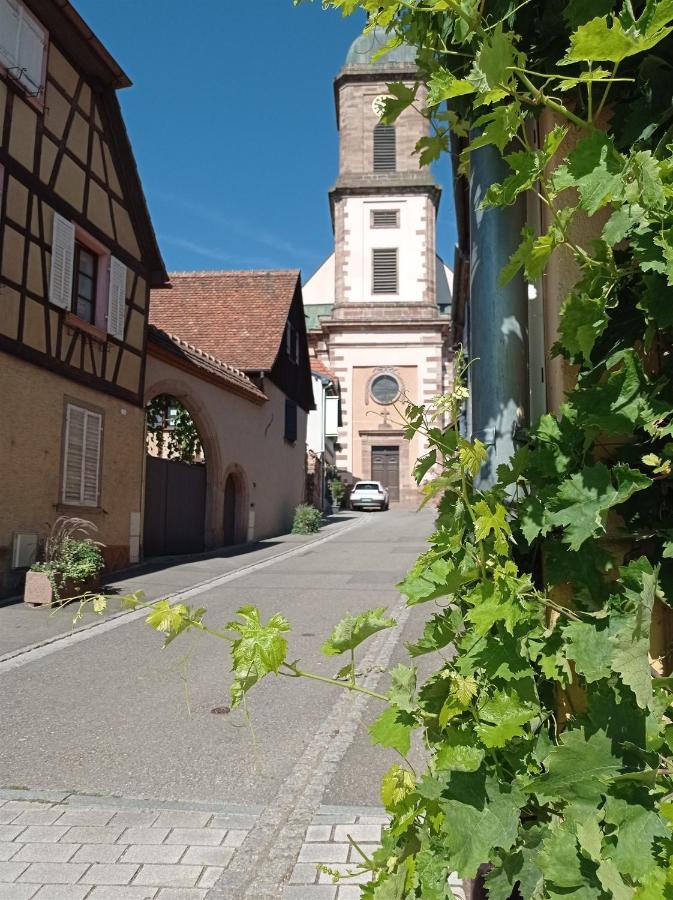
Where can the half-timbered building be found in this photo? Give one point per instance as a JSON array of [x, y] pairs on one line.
[[78, 257]]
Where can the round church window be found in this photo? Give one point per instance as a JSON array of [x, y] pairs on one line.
[[385, 389]]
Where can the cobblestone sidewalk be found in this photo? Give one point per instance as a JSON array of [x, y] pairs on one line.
[[327, 842], [71, 847]]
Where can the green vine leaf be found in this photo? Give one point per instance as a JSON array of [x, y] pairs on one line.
[[351, 631], [258, 651], [393, 729], [606, 39], [579, 769]]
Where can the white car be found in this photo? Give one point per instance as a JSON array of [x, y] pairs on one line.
[[369, 495]]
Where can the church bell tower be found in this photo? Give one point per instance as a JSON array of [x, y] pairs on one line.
[[377, 306]]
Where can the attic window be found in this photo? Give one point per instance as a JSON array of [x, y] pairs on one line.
[[384, 148], [384, 270], [292, 342], [23, 44], [385, 218]]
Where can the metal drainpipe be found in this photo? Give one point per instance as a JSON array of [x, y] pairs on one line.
[[498, 320]]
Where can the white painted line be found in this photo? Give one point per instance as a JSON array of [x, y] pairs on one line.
[[34, 652]]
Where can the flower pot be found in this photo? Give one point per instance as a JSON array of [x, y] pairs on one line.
[[39, 591]]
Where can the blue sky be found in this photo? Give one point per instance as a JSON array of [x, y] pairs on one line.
[[231, 116]]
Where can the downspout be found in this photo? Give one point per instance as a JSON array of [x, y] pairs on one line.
[[497, 321]]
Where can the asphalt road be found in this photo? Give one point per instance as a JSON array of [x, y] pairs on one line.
[[114, 714]]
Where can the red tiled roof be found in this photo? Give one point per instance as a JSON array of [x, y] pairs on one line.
[[236, 316], [230, 375], [319, 366]]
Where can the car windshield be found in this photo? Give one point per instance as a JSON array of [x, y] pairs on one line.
[[367, 486]]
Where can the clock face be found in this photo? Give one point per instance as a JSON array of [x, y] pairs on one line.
[[379, 105]]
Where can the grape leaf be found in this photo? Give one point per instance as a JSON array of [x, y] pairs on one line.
[[503, 717], [351, 631], [607, 39], [583, 321], [579, 768], [634, 852], [403, 688], [392, 729], [259, 650], [590, 649]]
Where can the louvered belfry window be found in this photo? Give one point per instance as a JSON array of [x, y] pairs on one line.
[[384, 270], [384, 148], [385, 218], [82, 456]]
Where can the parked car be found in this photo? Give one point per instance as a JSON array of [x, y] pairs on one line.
[[369, 495]]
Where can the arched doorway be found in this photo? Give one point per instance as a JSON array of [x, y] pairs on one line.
[[230, 504], [178, 473]]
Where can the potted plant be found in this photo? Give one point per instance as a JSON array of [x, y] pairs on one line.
[[338, 490], [71, 564]]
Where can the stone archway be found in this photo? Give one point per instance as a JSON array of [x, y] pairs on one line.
[[235, 514], [175, 387]]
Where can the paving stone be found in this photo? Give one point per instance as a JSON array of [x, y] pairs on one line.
[[169, 876], [235, 822], [182, 894], [318, 833], [86, 817], [10, 871], [203, 836], [210, 876], [46, 852], [114, 873], [142, 818], [98, 853], [62, 892], [333, 820], [90, 834], [348, 892], [8, 849], [52, 873], [127, 892], [304, 873], [19, 806], [235, 838], [373, 820], [145, 836], [154, 853], [7, 817], [368, 849], [39, 834], [324, 853], [17, 891], [10, 832], [183, 818], [309, 892], [359, 833], [38, 816], [208, 856]]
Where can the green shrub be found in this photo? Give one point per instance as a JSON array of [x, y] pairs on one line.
[[307, 519], [338, 491], [70, 555]]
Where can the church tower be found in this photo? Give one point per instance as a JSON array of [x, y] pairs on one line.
[[377, 306]]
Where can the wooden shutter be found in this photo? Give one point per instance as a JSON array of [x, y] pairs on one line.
[[290, 420], [62, 258], [384, 271], [116, 309], [385, 155], [31, 53], [9, 33], [81, 462]]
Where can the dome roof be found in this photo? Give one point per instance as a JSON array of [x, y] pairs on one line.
[[365, 46]]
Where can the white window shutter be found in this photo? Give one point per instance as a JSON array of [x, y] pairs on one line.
[[31, 52], [9, 33], [116, 310], [81, 462], [62, 260], [75, 425], [91, 459]]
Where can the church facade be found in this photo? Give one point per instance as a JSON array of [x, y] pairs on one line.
[[378, 307]]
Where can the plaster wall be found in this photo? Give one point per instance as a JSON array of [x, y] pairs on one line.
[[247, 439], [31, 448], [320, 286], [410, 240]]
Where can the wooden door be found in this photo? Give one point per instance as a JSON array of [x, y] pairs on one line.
[[386, 469], [175, 507], [230, 511]]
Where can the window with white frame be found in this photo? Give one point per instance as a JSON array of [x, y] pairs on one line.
[[82, 446], [75, 280], [23, 43]]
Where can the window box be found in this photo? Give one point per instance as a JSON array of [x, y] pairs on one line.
[[23, 49]]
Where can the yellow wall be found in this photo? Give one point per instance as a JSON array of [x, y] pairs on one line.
[[31, 438]]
